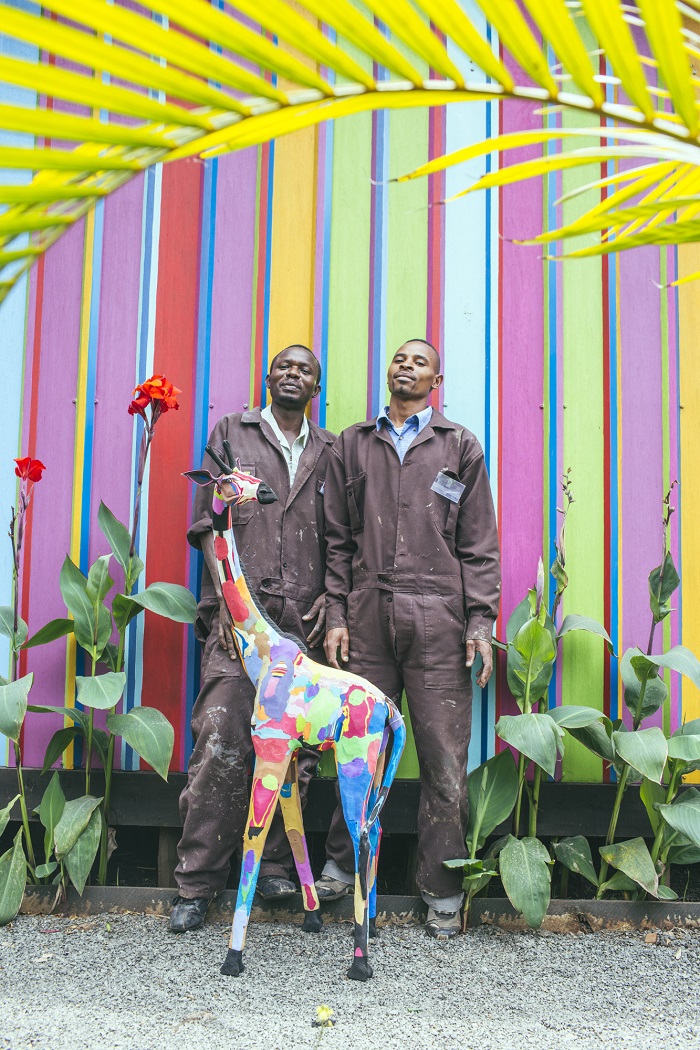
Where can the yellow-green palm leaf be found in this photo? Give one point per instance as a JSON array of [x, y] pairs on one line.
[[194, 79]]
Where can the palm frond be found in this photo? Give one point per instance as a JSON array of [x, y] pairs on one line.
[[194, 79]]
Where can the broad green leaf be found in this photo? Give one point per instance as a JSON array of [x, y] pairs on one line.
[[13, 876], [74, 713], [150, 734], [124, 610], [575, 854], [80, 858], [99, 582], [633, 859], [42, 871], [570, 716], [50, 632], [572, 622], [535, 735], [522, 612], [683, 815], [619, 883], [652, 794], [58, 743], [530, 662], [50, 811], [684, 854], [110, 654], [681, 660], [686, 748], [661, 587], [691, 728], [644, 750], [74, 819], [7, 626], [74, 591], [117, 535], [168, 599], [655, 691], [526, 877], [665, 893], [597, 737], [5, 814], [493, 789], [100, 743], [13, 706], [102, 691]]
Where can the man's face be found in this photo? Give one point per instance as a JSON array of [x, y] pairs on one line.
[[413, 372], [293, 379]]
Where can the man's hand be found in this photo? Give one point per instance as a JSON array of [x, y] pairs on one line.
[[318, 609], [226, 640], [337, 638], [479, 645]]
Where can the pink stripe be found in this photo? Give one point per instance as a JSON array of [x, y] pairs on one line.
[[319, 291], [53, 497], [675, 468]]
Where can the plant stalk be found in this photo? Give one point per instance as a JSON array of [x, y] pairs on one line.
[[612, 827], [671, 791], [25, 815], [518, 803], [534, 802]]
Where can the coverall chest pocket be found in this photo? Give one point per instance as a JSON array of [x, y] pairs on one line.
[[355, 488], [242, 513], [445, 515]]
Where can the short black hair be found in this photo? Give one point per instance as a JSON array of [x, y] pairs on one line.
[[298, 346], [430, 347]]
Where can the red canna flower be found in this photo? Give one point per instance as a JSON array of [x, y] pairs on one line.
[[158, 392], [29, 469]]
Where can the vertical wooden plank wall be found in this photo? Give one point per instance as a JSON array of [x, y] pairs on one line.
[[204, 270]]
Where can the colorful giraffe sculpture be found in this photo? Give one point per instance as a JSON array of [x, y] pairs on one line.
[[299, 700]]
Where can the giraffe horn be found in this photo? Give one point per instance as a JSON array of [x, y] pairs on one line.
[[229, 455], [217, 459]]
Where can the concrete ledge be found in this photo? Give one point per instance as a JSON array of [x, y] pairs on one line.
[[562, 916]]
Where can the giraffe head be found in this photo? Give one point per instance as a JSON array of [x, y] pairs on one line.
[[232, 487]]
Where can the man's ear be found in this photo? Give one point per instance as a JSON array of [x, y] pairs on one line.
[[437, 381], [200, 477], [317, 390], [267, 381]]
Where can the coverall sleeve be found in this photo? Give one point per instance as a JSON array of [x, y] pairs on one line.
[[201, 513], [340, 545], [478, 550]]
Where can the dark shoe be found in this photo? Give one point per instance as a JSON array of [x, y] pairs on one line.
[[275, 887], [188, 913], [442, 925], [330, 889]]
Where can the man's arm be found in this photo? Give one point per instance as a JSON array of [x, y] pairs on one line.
[[480, 563], [340, 548]]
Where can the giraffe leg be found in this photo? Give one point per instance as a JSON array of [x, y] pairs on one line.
[[375, 838], [355, 812], [267, 782], [294, 826]]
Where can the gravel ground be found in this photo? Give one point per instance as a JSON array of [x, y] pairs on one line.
[[123, 981]]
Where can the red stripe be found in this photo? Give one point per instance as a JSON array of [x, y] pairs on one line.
[[262, 269], [500, 662], [171, 452], [607, 536]]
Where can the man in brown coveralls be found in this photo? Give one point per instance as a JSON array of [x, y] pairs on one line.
[[282, 549], [412, 591]]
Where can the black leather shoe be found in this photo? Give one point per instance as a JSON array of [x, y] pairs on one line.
[[275, 888], [188, 913]]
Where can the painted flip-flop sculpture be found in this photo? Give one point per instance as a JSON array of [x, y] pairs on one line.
[[298, 700]]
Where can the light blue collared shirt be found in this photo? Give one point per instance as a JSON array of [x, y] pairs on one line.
[[405, 437]]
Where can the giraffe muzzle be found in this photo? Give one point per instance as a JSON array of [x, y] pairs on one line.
[[265, 494]]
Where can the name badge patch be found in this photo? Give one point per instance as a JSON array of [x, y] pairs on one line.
[[447, 485]]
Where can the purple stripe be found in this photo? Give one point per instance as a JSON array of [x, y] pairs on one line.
[[53, 499], [675, 468]]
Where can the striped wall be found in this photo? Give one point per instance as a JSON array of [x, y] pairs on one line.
[[202, 270]]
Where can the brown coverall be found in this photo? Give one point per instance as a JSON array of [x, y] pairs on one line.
[[282, 549], [412, 576]]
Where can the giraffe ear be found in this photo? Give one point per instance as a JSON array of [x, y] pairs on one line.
[[200, 477]]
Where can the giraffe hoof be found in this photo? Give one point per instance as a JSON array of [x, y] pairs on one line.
[[233, 964], [313, 922], [360, 969]]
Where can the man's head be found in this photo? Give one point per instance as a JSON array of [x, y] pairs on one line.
[[294, 378], [414, 371]]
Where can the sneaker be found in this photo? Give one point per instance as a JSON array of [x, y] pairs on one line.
[[188, 913], [442, 925], [275, 887], [330, 889]]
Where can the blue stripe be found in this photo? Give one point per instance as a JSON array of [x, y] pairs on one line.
[[488, 288], [613, 276], [90, 389], [325, 290], [268, 274]]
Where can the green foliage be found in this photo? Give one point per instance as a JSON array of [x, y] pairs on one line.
[[13, 874], [575, 854], [150, 734], [50, 632], [572, 716], [50, 812], [13, 706], [120, 541], [526, 876], [597, 737], [92, 620], [663, 581], [167, 599], [101, 692], [644, 750], [5, 813], [643, 695], [633, 859], [74, 819], [530, 662], [7, 627], [536, 736], [81, 856], [493, 789], [573, 622], [58, 743], [683, 815]]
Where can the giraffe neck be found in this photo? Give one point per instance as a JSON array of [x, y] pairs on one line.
[[255, 636]]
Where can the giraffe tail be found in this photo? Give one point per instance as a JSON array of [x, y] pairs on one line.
[[397, 726]]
